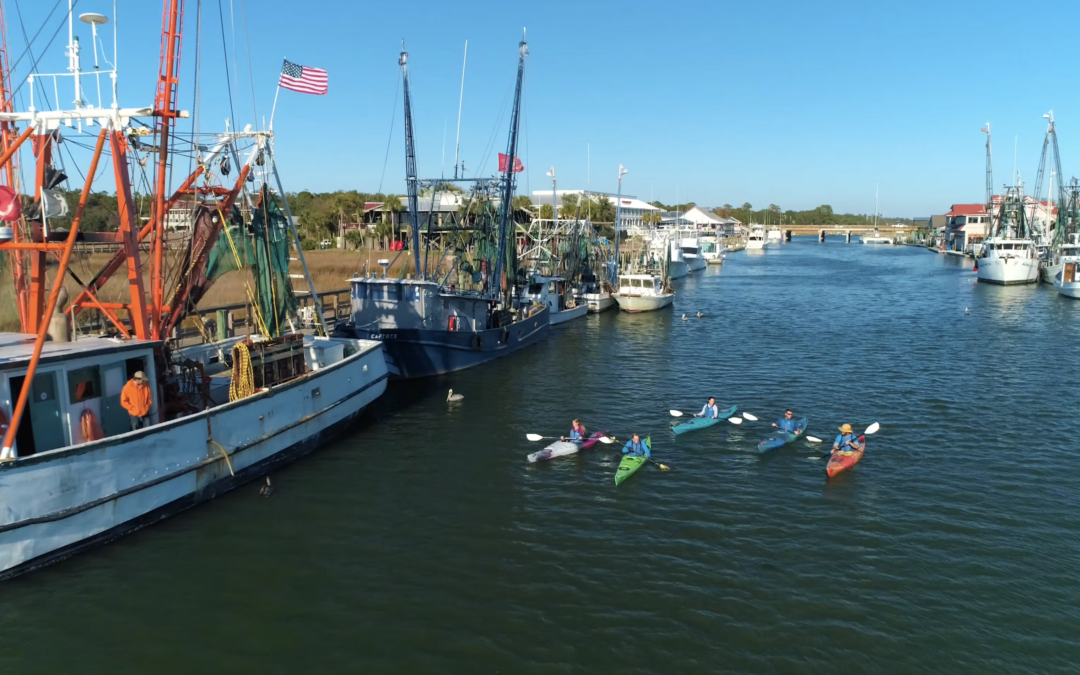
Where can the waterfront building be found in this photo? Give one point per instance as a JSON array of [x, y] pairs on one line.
[[631, 209]]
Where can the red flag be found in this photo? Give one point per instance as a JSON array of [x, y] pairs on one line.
[[10, 210], [504, 164]]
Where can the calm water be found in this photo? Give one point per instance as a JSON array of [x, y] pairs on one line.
[[425, 543]]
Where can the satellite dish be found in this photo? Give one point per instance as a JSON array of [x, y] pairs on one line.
[[93, 18]]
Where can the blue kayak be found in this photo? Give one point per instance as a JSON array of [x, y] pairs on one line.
[[701, 422], [781, 438]]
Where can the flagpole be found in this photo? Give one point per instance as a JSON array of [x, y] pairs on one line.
[[276, 92]]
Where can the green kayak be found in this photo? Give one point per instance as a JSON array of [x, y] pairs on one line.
[[630, 464]]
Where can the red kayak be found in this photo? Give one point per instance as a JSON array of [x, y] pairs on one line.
[[845, 459]]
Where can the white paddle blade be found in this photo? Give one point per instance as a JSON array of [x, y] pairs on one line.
[[872, 429], [534, 437], [814, 439], [748, 416], [606, 440], [735, 420], [675, 413], [813, 459]]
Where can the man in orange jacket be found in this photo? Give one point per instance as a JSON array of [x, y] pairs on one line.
[[137, 400]]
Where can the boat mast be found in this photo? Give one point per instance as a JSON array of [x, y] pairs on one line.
[[990, 182], [618, 212], [410, 166], [506, 208]]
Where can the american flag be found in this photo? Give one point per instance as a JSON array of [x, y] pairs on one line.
[[303, 79]]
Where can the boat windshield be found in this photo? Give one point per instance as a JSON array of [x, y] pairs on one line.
[[536, 289]]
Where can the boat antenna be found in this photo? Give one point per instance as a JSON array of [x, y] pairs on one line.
[[461, 97]]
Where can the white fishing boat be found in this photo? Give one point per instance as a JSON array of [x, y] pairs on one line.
[[712, 250], [677, 267], [1009, 255], [775, 235], [691, 251], [643, 293], [876, 239], [756, 240], [594, 293], [1054, 260], [555, 294], [106, 434], [1067, 281]]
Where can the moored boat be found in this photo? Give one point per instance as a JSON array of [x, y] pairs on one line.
[[642, 293], [554, 294]]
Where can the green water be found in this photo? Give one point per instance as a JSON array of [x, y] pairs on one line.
[[425, 543]]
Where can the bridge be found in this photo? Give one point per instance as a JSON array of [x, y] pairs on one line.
[[896, 232]]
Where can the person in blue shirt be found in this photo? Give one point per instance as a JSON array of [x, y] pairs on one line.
[[846, 440], [636, 447], [578, 433], [710, 410], [787, 423]]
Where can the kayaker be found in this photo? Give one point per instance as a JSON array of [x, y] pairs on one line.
[[846, 440], [787, 423], [710, 410], [578, 432], [635, 447]]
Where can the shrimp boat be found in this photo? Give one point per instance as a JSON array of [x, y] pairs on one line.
[[554, 294], [676, 263], [595, 294], [1009, 255], [75, 470], [647, 290], [463, 310]]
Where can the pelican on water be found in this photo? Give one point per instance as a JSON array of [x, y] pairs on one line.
[[452, 397]]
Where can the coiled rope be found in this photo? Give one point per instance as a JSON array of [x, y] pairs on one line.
[[243, 376]]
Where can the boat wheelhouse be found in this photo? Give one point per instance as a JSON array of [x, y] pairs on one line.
[[712, 250], [555, 294], [691, 251], [642, 293], [756, 239]]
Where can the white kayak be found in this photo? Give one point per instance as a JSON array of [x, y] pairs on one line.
[[556, 449]]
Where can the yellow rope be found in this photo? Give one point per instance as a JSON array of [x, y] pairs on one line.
[[243, 376], [223, 454]]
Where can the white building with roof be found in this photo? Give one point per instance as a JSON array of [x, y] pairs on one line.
[[631, 209]]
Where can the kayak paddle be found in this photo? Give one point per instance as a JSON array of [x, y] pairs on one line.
[[538, 437], [677, 413], [813, 439], [663, 467], [748, 416], [735, 420]]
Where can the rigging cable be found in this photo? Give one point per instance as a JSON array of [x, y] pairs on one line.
[[393, 118], [47, 45]]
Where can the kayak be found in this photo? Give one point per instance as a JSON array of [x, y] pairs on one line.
[[701, 422], [845, 459], [563, 448], [781, 438], [631, 463]]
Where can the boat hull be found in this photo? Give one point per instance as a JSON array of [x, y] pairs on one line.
[[598, 302], [134, 479], [415, 353], [1008, 271], [644, 303], [677, 269], [696, 264], [715, 261], [568, 314]]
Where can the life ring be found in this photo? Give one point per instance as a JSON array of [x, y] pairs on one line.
[[451, 324], [477, 342], [88, 422]]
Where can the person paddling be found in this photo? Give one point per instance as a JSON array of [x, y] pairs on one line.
[[846, 440], [635, 447], [578, 433], [787, 423], [710, 411]]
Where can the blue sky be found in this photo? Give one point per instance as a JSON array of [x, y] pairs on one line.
[[791, 103]]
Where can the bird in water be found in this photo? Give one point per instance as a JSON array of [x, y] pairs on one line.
[[967, 311], [267, 489], [699, 315], [451, 397], [684, 318]]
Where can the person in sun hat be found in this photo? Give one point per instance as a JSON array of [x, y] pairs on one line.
[[845, 440], [137, 400]]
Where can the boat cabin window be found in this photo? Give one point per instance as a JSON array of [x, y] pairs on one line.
[[536, 289], [84, 384], [359, 291], [390, 292]]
